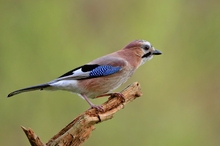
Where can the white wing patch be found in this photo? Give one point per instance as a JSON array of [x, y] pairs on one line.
[[77, 74], [80, 73]]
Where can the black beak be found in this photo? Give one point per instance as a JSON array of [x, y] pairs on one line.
[[157, 52]]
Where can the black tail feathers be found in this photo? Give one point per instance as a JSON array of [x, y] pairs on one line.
[[32, 88]]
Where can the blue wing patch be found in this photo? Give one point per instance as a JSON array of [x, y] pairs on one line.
[[104, 70]]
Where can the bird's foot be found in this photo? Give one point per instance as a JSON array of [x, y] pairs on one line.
[[113, 95], [119, 95], [97, 107]]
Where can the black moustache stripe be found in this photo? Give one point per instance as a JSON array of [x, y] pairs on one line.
[[146, 55]]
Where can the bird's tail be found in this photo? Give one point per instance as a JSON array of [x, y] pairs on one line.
[[32, 88]]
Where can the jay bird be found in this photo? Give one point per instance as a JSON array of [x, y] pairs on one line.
[[102, 75]]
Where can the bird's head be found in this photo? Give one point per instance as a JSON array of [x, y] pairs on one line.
[[143, 49]]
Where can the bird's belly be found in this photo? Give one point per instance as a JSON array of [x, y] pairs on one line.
[[97, 86]]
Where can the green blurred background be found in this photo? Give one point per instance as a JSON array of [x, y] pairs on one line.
[[40, 40]]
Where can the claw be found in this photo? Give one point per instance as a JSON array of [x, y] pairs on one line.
[[98, 107], [112, 95], [119, 95]]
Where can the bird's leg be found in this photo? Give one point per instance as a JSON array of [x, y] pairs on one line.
[[98, 107], [112, 95]]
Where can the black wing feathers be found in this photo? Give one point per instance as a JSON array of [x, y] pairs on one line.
[[84, 68]]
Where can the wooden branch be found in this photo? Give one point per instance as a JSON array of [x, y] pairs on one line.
[[78, 131]]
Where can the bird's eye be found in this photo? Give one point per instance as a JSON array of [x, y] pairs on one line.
[[146, 47]]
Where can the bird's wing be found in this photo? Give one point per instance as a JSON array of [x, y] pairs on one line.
[[103, 66], [89, 71]]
